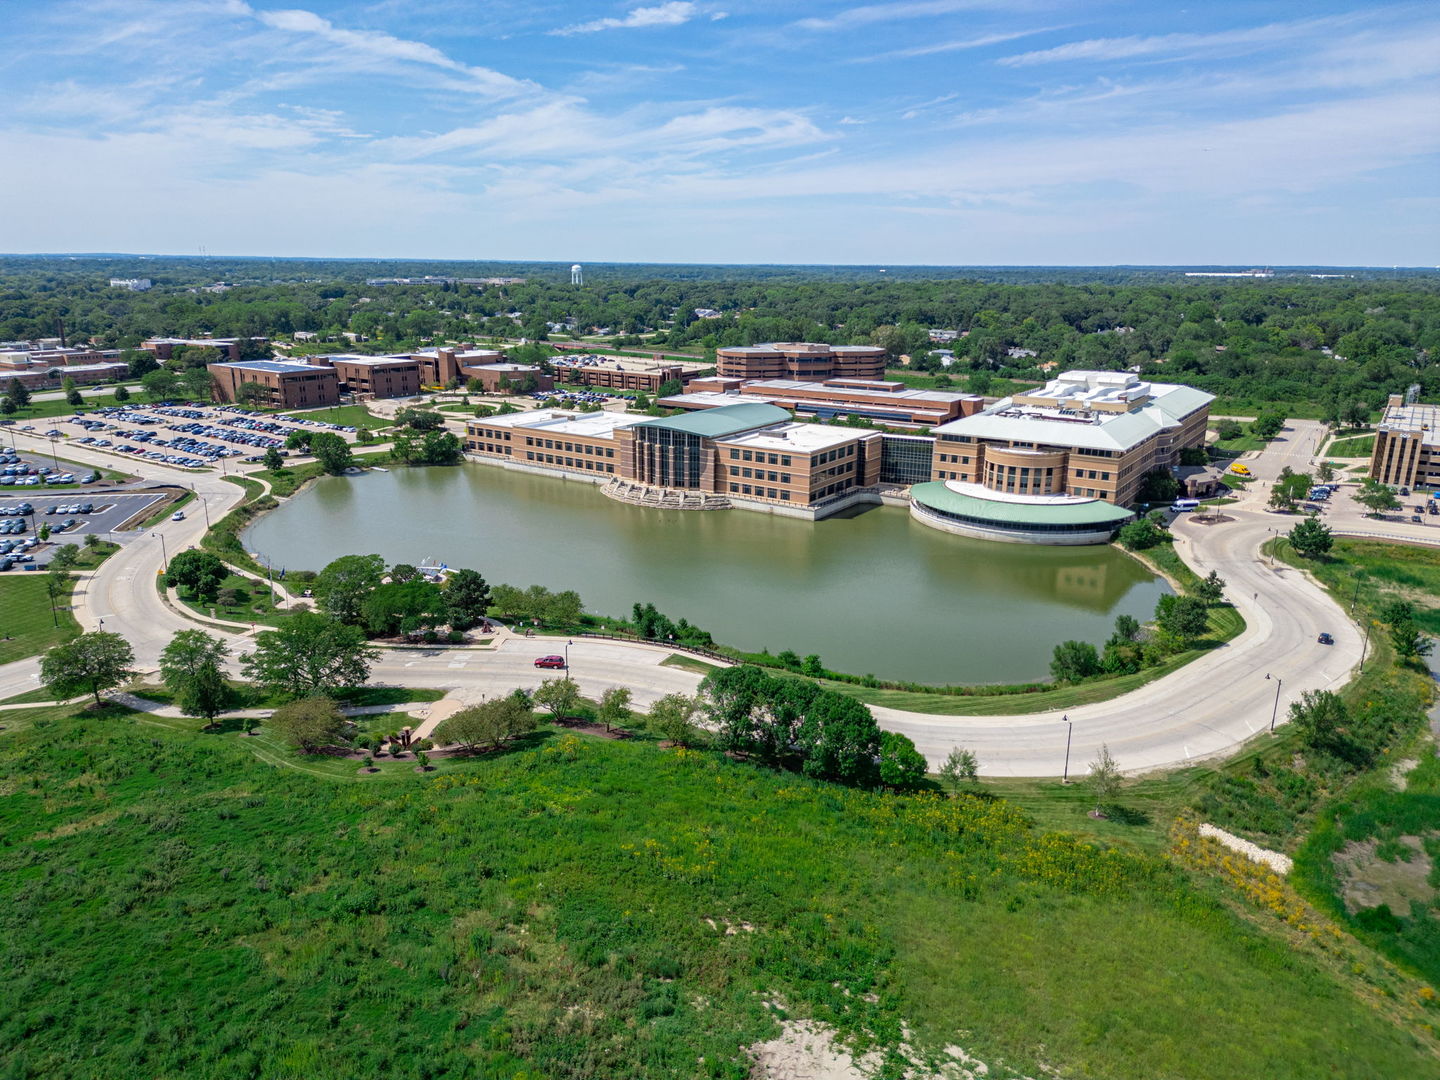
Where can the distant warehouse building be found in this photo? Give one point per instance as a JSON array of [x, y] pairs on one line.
[[1059, 464], [1407, 445], [289, 384], [802, 360]]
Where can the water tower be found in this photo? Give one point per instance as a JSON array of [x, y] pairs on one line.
[[577, 275]]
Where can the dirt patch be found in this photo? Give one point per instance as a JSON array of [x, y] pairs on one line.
[[1367, 880], [810, 1050]]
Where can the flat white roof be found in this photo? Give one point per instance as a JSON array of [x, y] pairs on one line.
[[597, 425], [797, 438], [1078, 427], [1423, 420], [713, 399], [350, 358], [980, 491], [873, 387]]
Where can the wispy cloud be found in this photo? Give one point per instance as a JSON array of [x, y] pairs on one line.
[[670, 13], [377, 46], [1125, 48], [956, 46], [868, 14]]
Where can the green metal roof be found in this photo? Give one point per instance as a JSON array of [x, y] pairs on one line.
[[1095, 512], [726, 420]]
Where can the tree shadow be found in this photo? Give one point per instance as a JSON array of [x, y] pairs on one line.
[[1125, 815]]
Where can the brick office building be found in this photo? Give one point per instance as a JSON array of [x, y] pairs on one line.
[[368, 377], [289, 384], [801, 360]]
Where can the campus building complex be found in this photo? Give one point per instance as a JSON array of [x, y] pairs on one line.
[[1061, 463], [368, 377], [287, 384], [749, 455], [457, 366], [801, 360], [1407, 445], [885, 402], [164, 347], [614, 373]]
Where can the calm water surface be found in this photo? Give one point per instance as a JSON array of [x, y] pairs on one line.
[[875, 592]]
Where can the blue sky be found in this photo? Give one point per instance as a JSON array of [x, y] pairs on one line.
[[919, 131]]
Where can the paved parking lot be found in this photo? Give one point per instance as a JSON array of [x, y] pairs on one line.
[[108, 512]]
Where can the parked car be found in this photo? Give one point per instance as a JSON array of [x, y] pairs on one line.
[[550, 662], [1326, 639]]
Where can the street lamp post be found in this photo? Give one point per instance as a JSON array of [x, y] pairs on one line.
[[164, 556], [53, 455], [1069, 730], [1274, 711], [1365, 649], [567, 654]]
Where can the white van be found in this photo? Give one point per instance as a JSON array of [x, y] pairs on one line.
[[1179, 506]]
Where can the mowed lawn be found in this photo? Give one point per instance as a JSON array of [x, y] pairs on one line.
[[26, 625], [356, 416]]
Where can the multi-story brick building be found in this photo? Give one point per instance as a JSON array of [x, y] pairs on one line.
[[872, 399], [368, 377], [613, 373], [746, 455], [801, 360], [289, 384], [1059, 463], [1407, 445], [164, 347], [458, 365]]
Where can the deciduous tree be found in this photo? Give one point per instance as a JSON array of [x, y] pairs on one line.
[[192, 666], [467, 599], [561, 695], [902, 767], [342, 587], [614, 708], [673, 718], [309, 724], [1311, 538], [87, 665], [199, 571], [309, 654]]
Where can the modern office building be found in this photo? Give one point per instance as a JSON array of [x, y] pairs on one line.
[[1061, 463], [872, 399], [753, 456], [289, 384], [801, 360], [164, 347], [458, 365], [1407, 445], [615, 373], [369, 377]]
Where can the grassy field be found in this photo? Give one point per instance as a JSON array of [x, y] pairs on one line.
[[356, 416], [41, 410], [560, 911], [958, 383], [1248, 408], [27, 626], [167, 508], [249, 696], [1361, 447], [1241, 444]]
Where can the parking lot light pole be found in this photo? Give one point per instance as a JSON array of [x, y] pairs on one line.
[[164, 558], [1274, 711], [1069, 731], [53, 455]]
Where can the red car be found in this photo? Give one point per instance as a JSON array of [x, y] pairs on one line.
[[550, 661]]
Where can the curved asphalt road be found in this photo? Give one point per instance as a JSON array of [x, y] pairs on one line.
[[1207, 708]]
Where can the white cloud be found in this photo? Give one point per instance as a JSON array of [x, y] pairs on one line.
[[670, 13], [1124, 48], [876, 13], [956, 46], [375, 45]]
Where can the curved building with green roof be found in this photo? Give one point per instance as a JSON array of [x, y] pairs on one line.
[[976, 511]]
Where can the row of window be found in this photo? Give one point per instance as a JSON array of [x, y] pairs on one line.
[[764, 493], [761, 474], [756, 455], [500, 434], [848, 450], [572, 448], [569, 463]]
